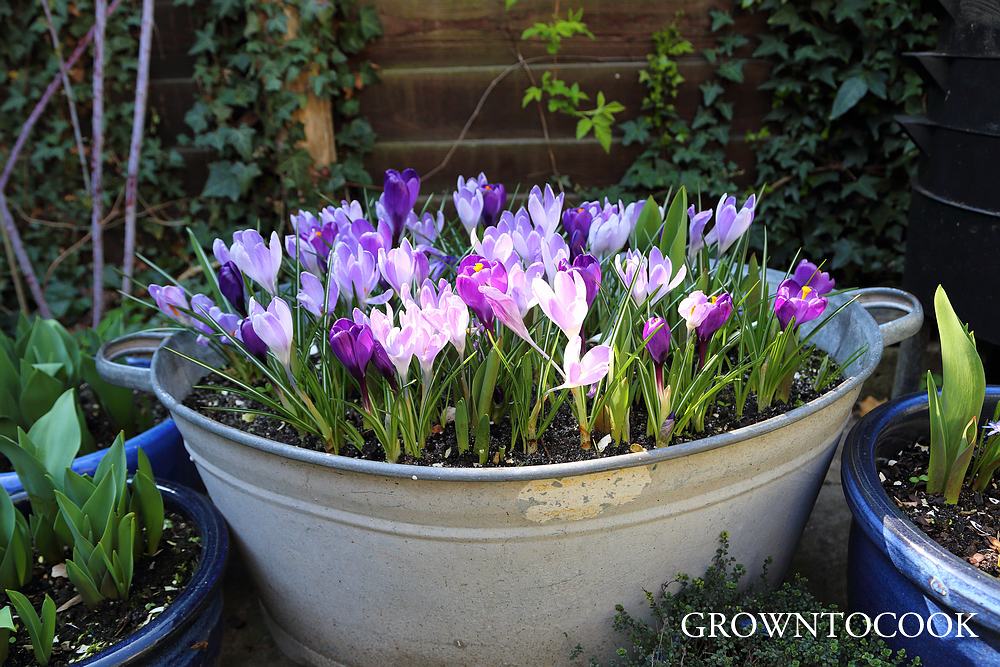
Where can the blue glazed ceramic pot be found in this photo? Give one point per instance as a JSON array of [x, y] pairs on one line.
[[188, 633], [894, 567], [162, 443]]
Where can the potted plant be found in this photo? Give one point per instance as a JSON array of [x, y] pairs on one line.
[[920, 478], [120, 570], [44, 364], [501, 426]]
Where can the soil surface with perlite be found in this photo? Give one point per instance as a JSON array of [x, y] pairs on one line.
[[82, 632], [561, 443], [969, 529]]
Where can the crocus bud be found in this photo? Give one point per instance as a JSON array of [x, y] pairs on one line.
[[494, 199], [251, 340], [576, 222], [400, 192], [656, 333], [800, 302], [231, 286]]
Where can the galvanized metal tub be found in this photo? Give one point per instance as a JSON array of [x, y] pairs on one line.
[[366, 563]]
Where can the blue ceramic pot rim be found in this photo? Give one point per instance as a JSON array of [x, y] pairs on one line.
[[205, 580], [941, 575]]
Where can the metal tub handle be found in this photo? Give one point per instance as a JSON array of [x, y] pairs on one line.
[[130, 376], [889, 298]]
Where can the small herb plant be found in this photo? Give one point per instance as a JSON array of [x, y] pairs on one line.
[[393, 328], [960, 451], [662, 642]]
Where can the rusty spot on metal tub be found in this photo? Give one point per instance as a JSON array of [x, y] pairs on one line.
[[583, 496]]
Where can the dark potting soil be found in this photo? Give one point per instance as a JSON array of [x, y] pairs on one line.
[[969, 529], [561, 443], [99, 424], [82, 632]]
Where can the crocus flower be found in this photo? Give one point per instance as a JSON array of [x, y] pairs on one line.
[[473, 272], [448, 311], [718, 310], [991, 429], [730, 225], [808, 274], [354, 345], [260, 261], [696, 230], [545, 208], [357, 275], [576, 222], [399, 343], [251, 340], [591, 369], [656, 333], [205, 308], [469, 205], [372, 238], [427, 228], [507, 311], [650, 277], [274, 327], [200, 306], [314, 298], [565, 302], [519, 285], [494, 199], [497, 245], [403, 266], [589, 269], [231, 286], [694, 309], [800, 302], [171, 301], [399, 195], [221, 251], [612, 225]]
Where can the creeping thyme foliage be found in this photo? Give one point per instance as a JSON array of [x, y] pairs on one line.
[[662, 642]]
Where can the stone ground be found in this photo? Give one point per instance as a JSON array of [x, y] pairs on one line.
[[821, 558]]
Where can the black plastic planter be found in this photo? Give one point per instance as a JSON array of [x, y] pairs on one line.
[[962, 90]]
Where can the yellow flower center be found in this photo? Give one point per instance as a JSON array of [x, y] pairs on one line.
[[173, 310], [805, 291], [479, 266], [318, 233], [713, 299]]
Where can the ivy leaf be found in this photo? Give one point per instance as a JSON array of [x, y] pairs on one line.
[[229, 180], [710, 92], [583, 127], [204, 41], [850, 93], [731, 70]]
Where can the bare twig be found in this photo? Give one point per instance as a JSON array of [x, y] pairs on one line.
[[22, 301], [96, 153], [22, 138], [135, 150], [68, 91]]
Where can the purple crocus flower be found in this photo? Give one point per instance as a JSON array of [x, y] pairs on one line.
[[611, 226], [357, 275], [801, 302], [274, 327], [497, 245], [221, 251], [589, 269], [696, 230], [171, 301], [201, 305], [473, 272], [656, 333], [576, 222], [704, 316], [719, 309], [730, 225], [314, 298], [808, 274], [650, 277], [257, 260], [231, 286], [403, 266], [426, 229], [545, 208], [354, 344], [399, 195], [469, 205], [519, 285], [494, 199], [591, 369], [251, 340]]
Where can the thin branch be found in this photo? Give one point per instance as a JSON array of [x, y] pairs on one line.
[[138, 123], [96, 153], [68, 91], [22, 138], [22, 301]]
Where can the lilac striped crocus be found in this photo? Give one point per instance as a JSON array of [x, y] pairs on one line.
[[731, 224], [611, 226], [583, 372], [314, 298], [473, 272], [469, 206], [704, 316], [357, 275], [172, 302], [696, 229], [257, 260], [274, 327], [589, 269], [545, 209], [797, 302], [648, 278], [403, 266]]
